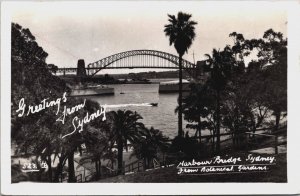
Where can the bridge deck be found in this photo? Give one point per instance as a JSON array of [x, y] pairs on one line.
[[71, 69]]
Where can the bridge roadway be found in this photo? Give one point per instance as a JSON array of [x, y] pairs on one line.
[[74, 69]]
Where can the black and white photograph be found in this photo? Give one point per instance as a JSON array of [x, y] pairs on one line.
[[138, 93]]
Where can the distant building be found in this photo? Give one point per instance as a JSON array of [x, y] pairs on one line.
[[200, 74]]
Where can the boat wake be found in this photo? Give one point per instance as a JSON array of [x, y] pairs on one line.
[[129, 105]]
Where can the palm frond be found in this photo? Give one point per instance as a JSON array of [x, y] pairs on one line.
[[181, 32]]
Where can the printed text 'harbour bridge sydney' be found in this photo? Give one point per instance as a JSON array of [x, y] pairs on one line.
[[149, 59]]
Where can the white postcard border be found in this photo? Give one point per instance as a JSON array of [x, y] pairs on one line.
[[293, 156]]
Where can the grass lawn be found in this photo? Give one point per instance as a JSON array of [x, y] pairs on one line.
[[278, 173]]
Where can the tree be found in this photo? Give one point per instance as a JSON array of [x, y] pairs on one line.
[[152, 141], [261, 88], [97, 141], [273, 51], [40, 133], [272, 65], [220, 64], [67, 146], [97, 144], [181, 33], [237, 111], [125, 127], [31, 76], [53, 68], [32, 80], [196, 106]]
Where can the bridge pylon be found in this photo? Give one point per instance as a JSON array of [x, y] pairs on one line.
[[81, 71]]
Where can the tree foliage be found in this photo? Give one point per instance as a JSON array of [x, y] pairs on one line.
[[125, 127], [149, 145], [241, 97], [181, 32], [40, 133]]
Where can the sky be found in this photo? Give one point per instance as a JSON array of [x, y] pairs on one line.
[[69, 31]]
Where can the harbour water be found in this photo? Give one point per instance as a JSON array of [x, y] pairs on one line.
[[136, 97]]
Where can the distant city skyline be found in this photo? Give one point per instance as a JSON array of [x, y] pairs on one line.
[[69, 31]]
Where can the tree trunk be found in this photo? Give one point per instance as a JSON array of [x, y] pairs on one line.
[[57, 173], [277, 120], [112, 164], [218, 148], [145, 163], [199, 128], [99, 167], [120, 156], [213, 142], [97, 172], [253, 131], [180, 133], [49, 168], [148, 163], [59, 168], [233, 139], [71, 170]]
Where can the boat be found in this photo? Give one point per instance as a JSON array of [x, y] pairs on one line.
[[80, 90], [173, 86], [122, 91], [154, 104]]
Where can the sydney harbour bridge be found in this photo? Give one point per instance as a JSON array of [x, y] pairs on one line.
[[148, 59]]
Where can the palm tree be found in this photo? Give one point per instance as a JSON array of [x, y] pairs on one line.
[[220, 64], [151, 142], [97, 144], [181, 33], [125, 128], [96, 140]]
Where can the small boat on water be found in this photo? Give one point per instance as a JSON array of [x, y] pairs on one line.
[[154, 104], [80, 90]]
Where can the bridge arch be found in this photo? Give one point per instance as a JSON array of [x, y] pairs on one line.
[[95, 67]]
